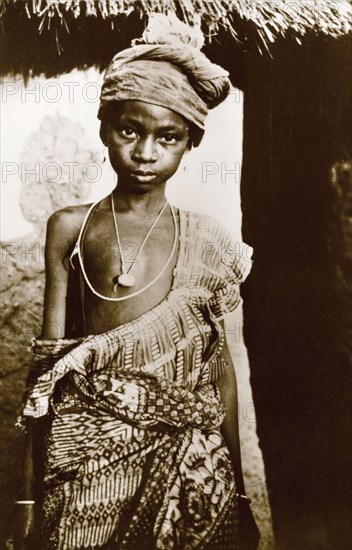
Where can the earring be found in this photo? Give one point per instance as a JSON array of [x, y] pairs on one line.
[[104, 154], [184, 163]]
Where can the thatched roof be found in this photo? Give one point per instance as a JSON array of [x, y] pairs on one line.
[[54, 36]]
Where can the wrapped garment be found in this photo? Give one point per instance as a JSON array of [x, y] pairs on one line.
[[128, 446]]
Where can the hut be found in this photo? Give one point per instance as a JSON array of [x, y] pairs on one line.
[[292, 60]]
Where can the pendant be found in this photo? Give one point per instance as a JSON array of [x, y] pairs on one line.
[[126, 279]]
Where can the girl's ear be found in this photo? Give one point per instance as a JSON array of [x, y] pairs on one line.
[[103, 132], [189, 142]]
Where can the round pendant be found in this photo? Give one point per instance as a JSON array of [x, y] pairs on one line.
[[126, 279]]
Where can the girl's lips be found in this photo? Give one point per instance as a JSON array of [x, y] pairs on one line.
[[143, 176]]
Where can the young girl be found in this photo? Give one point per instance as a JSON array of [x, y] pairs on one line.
[[132, 389]]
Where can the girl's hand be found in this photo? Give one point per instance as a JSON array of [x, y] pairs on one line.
[[248, 530], [22, 527]]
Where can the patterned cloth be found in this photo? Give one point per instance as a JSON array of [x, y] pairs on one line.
[[128, 447]]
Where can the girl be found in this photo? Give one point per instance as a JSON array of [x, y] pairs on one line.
[[132, 389]]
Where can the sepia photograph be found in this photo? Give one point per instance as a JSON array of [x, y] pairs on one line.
[[176, 274]]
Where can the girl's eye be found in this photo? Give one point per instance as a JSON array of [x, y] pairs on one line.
[[169, 139], [128, 132]]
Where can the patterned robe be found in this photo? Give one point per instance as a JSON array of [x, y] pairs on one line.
[[128, 447]]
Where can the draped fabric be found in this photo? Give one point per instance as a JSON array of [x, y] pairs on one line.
[[166, 67], [129, 451]]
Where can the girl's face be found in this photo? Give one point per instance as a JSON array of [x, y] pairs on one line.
[[146, 143]]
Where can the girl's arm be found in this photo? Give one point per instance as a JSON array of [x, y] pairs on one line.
[[22, 522], [57, 244], [248, 531], [53, 318], [26, 490], [227, 385]]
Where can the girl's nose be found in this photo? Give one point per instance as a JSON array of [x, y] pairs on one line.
[[145, 150]]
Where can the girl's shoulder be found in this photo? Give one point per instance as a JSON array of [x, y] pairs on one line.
[[215, 247], [64, 225], [205, 227], [69, 216]]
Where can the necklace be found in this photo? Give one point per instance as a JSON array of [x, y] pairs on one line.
[[137, 292], [126, 278]]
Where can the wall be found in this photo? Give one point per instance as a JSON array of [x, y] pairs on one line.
[[296, 204]]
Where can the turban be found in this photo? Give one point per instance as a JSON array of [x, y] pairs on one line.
[[167, 69]]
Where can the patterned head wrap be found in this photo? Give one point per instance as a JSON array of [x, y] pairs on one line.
[[166, 68]]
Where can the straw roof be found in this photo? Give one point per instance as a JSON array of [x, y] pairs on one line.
[[36, 33]]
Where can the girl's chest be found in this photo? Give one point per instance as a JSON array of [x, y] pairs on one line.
[[150, 266]]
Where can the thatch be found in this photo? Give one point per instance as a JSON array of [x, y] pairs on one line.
[[31, 27]]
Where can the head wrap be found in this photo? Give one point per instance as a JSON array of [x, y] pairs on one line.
[[166, 69]]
